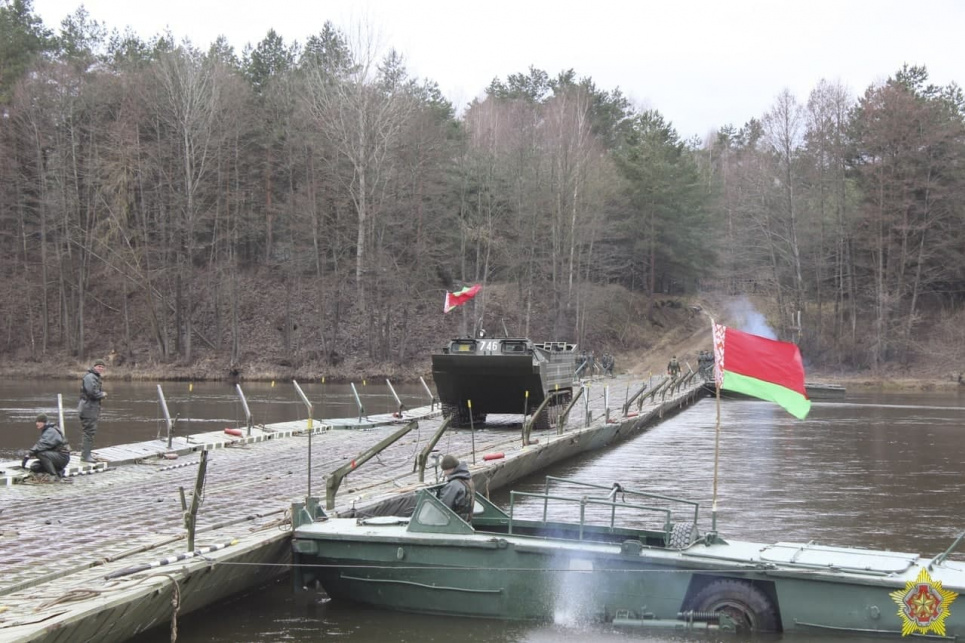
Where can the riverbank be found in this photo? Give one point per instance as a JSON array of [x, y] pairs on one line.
[[669, 326], [907, 380], [213, 371], [857, 382]]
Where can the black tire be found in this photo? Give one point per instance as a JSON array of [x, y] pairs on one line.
[[682, 535], [461, 421], [459, 415], [746, 604], [447, 410]]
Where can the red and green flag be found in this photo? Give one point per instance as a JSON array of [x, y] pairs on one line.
[[460, 297], [760, 367]]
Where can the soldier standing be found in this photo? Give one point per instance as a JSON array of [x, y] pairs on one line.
[[91, 394], [673, 367]]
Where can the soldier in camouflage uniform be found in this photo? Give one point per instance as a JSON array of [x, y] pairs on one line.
[[673, 368], [52, 451], [91, 394]]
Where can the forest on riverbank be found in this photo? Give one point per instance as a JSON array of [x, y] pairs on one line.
[[199, 211]]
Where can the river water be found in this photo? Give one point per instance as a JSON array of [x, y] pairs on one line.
[[882, 471], [132, 411]]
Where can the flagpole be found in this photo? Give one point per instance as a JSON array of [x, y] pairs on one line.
[[713, 511], [718, 377]]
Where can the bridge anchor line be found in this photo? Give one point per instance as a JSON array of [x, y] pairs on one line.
[[170, 559]]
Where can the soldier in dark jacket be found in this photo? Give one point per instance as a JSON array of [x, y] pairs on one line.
[[89, 407], [52, 451], [458, 494]]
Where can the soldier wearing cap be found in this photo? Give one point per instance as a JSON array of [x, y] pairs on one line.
[[459, 493], [52, 451], [89, 407]]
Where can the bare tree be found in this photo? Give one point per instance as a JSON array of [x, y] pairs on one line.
[[190, 100], [783, 128], [361, 114]]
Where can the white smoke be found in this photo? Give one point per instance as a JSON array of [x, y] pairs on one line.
[[747, 319]]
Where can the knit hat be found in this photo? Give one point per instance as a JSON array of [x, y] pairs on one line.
[[42, 418], [99, 362], [449, 461]]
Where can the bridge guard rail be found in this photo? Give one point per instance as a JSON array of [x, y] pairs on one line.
[[423, 456], [564, 417], [528, 424], [662, 386], [685, 380], [633, 398], [334, 479]]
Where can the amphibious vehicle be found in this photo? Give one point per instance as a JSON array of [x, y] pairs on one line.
[[479, 376]]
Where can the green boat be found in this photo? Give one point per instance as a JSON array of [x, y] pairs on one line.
[[628, 558]]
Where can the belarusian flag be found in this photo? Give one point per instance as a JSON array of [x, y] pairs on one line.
[[460, 297], [760, 367]]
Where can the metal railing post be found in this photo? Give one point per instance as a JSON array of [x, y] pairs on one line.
[[423, 457], [606, 404], [432, 398], [586, 407], [167, 414], [60, 415], [472, 430], [191, 518], [528, 425], [565, 416], [631, 399], [358, 402], [396, 396], [311, 430], [244, 405]]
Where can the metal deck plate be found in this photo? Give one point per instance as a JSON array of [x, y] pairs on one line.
[[843, 558]]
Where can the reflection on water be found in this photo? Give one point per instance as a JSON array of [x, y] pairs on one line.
[[877, 471], [132, 411]]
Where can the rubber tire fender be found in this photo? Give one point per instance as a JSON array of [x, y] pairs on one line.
[[747, 604]]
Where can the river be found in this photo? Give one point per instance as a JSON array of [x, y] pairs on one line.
[[874, 470], [132, 410]]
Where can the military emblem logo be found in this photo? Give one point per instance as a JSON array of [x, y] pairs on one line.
[[923, 605]]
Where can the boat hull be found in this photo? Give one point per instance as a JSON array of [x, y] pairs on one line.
[[494, 580], [509, 577]]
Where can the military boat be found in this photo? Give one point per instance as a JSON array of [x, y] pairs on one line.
[[629, 558]]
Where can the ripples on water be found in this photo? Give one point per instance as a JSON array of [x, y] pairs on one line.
[[885, 474]]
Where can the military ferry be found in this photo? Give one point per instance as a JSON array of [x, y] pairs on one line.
[[643, 565]]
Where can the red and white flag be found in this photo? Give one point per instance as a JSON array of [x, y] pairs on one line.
[[460, 297]]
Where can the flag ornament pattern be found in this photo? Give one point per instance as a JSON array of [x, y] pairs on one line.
[[760, 367], [460, 297]]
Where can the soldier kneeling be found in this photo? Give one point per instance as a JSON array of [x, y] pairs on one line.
[[51, 451]]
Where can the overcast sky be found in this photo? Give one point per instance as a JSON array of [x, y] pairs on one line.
[[702, 64]]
